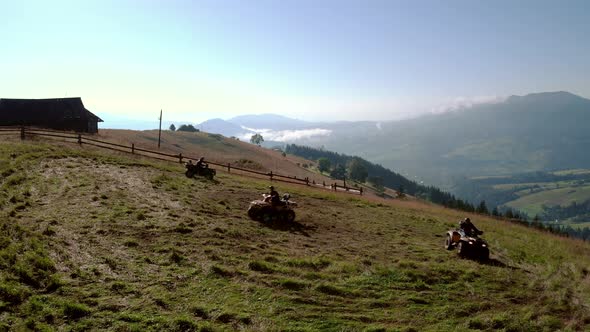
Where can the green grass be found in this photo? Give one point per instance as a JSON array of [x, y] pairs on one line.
[[532, 203], [578, 171], [135, 245]]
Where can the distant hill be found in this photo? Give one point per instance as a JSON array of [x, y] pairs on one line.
[[539, 132], [536, 132], [544, 131], [269, 121], [220, 126]]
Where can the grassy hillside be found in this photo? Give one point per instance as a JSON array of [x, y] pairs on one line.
[[549, 195], [93, 241], [215, 148], [532, 202], [536, 132]]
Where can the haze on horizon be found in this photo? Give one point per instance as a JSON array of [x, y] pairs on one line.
[[311, 60]]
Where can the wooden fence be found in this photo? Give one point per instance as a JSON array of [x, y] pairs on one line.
[[180, 158]]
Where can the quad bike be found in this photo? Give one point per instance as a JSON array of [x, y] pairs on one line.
[[468, 245], [193, 169], [264, 210]]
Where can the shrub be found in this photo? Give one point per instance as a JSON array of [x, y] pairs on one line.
[[261, 267], [290, 284], [221, 271], [200, 312], [13, 293], [315, 263], [75, 310], [184, 324], [331, 290], [176, 257]]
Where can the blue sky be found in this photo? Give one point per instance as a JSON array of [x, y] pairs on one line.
[[313, 60]]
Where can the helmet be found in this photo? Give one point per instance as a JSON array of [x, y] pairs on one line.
[[271, 188], [202, 158], [467, 220]]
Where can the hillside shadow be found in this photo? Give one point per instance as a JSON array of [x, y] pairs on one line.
[[292, 227]]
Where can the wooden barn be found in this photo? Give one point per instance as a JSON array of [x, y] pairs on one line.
[[59, 113]]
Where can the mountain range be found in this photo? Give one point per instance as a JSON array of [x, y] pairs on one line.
[[535, 132]]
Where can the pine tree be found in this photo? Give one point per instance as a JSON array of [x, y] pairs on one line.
[[495, 212], [324, 164], [508, 214], [482, 208]]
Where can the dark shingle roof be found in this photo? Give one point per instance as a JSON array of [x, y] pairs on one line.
[[54, 109]]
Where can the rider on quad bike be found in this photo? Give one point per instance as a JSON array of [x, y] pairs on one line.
[[273, 196], [201, 163], [467, 241], [469, 228], [272, 207], [200, 168]]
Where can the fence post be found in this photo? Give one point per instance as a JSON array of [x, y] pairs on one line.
[[79, 139], [180, 158], [228, 168], [307, 181], [271, 176], [361, 191], [132, 148], [22, 133]]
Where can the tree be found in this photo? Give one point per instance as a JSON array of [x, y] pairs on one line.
[[172, 127], [495, 212], [338, 172], [401, 192], [482, 208], [377, 181], [508, 214], [324, 164], [189, 128], [357, 171], [256, 139]]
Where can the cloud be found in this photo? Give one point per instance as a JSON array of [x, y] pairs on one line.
[[287, 135], [460, 103]]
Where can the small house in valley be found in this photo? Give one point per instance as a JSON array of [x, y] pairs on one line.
[[58, 113]]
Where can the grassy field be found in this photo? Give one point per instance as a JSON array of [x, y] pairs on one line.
[[572, 171], [532, 203], [94, 241], [538, 186], [216, 148], [576, 225]]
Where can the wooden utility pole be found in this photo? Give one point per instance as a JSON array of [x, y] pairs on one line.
[[160, 131]]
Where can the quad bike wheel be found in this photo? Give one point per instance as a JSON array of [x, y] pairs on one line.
[[289, 216], [189, 173], [252, 214], [461, 249], [448, 243], [484, 255], [267, 216]]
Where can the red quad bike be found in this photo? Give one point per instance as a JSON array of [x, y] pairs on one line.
[[468, 245], [193, 169], [264, 210]]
